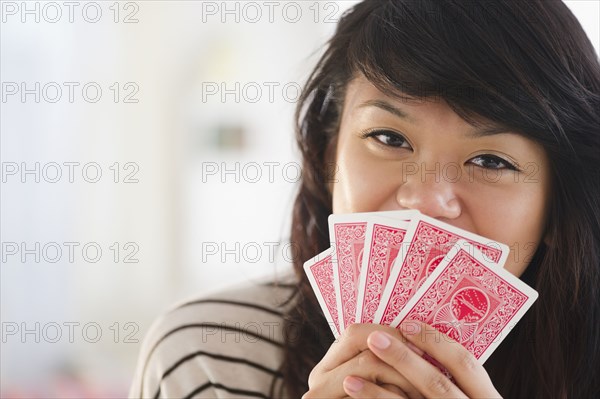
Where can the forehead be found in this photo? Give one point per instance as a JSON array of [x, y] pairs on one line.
[[360, 90], [364, 100]]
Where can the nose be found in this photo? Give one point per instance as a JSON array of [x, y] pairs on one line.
[[433, 197]]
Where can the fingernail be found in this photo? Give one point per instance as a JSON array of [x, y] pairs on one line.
[[380, 340], [353, 384], [415, 349]]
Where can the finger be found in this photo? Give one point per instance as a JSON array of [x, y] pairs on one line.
[[348, 345], [467, 371], [352, 342], [366, 366], [397, 390], [428, 380], [356, 387], [370, 367], [308, 395]]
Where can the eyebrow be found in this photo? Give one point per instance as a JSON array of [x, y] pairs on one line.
[[384, 105], [489, 131], [476, 133]]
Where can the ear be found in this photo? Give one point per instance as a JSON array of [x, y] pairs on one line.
[[547, 239]]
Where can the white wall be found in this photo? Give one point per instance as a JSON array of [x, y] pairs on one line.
[[177, 213]]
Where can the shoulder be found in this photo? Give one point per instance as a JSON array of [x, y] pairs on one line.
[[228, 343]]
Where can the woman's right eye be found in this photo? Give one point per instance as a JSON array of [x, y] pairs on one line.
[[388, 138]]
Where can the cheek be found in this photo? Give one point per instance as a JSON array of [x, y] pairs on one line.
[[515, 218], [361, 184]]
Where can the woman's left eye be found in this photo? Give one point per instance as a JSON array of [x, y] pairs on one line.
[[492, 162]]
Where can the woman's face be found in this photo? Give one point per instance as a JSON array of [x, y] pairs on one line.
[[393, 154]]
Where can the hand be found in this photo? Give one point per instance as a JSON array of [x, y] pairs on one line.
[[350, 356], [472, 381]]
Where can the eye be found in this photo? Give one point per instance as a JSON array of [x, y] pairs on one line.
[[388, 138], [489, 161]]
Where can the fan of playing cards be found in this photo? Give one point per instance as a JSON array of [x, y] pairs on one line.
[[387, 267]]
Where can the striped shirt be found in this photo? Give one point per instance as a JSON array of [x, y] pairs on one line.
[[222, 346]]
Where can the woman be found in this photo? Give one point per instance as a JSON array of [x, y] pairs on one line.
[[508, 92]]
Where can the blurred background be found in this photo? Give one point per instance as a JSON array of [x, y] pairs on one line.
[[147, 156]]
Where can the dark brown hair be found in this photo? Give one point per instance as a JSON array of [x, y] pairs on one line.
[[526, 65]]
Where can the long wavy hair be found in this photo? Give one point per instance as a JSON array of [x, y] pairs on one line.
[[526, 65]]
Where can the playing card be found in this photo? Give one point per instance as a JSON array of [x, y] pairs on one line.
[[347, 236], [405, 214], [319, 271], [383, 239], [428, 241], [470, 299]]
